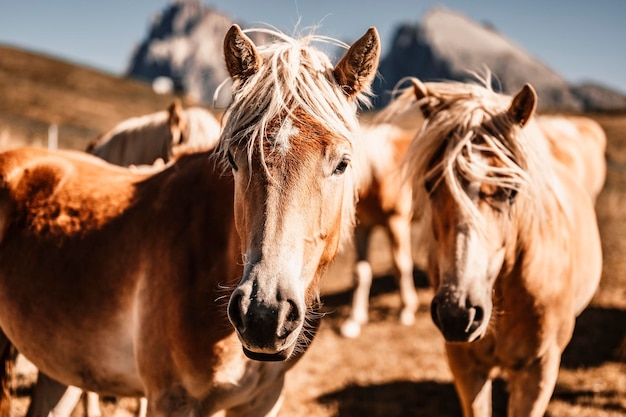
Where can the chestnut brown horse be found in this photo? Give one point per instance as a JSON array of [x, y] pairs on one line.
[[138, 142], [168, 249], [385, 200], [515, 253]]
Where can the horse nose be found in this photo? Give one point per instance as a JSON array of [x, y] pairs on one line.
[[264, 324], [458, 321]]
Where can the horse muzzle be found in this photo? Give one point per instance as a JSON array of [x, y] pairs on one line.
[[459, 319], [267, 329]]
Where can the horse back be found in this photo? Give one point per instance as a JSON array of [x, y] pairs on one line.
[[579, 143]]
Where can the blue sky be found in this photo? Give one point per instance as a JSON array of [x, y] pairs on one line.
[[580, 39]]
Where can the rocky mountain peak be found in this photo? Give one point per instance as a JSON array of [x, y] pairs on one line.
[[448, 45], [185, 43]]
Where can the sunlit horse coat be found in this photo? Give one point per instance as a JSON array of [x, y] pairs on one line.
[[515, 253], [158, 136], [385, 200], [139, 142], [153, 258]]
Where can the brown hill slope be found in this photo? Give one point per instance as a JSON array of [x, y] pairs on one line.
[[36, 91]]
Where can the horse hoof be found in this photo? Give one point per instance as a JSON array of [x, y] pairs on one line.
[[351, 329], [407, 318]]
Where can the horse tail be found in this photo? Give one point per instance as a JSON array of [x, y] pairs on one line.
[[7, 360]]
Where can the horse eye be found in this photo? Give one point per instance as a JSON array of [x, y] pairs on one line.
[[511, 194], [504, 194], [231, 161], [342, 166]]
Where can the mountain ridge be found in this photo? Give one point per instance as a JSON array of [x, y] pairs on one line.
[[446, 45]]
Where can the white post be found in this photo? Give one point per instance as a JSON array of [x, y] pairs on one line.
[[53, 137]]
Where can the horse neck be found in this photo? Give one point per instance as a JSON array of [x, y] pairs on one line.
[[382, 148], [141, 146], [539, 249], [199, 186]]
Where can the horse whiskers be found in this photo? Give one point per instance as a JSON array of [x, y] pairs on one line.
[[222, 302], [309, 329], [221, 298]]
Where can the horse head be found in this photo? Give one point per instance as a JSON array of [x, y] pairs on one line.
[[288, 140], [471, 169]]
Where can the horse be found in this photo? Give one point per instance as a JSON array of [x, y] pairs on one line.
[[158, 136], [385, 200], [515, 252], [133, 142], [212, 281]]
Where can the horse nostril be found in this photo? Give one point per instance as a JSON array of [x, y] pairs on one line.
[[434, 312], [291, 320], [474, 318], [476, 313], [234, 312], [480, 314], [294, 312]]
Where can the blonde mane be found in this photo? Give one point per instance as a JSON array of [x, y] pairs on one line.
[[470, 118], [294, 78]]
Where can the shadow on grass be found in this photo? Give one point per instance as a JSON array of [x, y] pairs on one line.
[[598, 338], [405, 398], [384, 284]]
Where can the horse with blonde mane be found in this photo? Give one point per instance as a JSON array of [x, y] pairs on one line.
[[186, 239], [158, 136], [385, 201], [515, 250]]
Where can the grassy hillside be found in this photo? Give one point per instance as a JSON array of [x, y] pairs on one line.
[[37, 90]]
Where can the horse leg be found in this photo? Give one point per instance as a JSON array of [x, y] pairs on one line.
[[93, 405], [52, 398], [471, 381], [265, 403], [400, 236], [531, 388], [172, 402], [7, 360], [143, 407], [351, 328]]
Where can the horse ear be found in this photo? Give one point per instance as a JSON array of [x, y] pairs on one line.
[[523, 105], [176, 121], [240, 54], [421, 94], [356, 70]]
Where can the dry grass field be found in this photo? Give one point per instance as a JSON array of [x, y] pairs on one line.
[[391, 370]]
